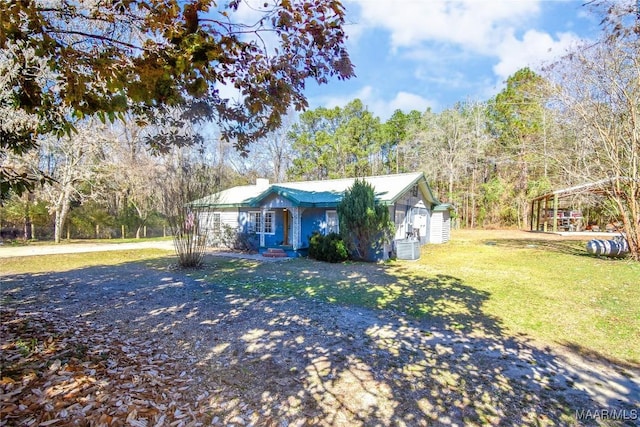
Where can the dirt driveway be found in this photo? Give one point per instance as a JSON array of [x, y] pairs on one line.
[[141, 345]]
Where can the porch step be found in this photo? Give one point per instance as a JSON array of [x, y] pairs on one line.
[[275, 253]]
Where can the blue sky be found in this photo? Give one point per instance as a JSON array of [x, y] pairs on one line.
[[416, 54]]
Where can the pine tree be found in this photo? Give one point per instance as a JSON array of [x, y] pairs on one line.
[[364, 224]]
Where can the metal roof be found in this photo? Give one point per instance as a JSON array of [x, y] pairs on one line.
[[591, 187], [324, 193]]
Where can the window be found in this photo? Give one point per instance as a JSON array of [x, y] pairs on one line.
[[216, 224], [268, 222], [333, 225], [255, 222]]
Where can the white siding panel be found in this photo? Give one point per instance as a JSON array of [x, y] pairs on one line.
[[435, 235], [212, 223], [446, 226]]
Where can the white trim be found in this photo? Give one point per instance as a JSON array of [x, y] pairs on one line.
[[337, 223], [263, 217]]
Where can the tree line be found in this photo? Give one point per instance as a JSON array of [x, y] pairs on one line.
[[572, 122]]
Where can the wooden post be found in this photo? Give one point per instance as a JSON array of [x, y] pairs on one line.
[[122, 231], [531, 220], [555, 213]]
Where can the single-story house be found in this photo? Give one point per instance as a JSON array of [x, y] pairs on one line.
[[285, 215]]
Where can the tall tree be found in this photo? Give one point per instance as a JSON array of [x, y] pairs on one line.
[[358, 142], [272, 155], [66, 59], [598, 93], [71, 161], [335, 143], [132, 169], [517, 122], [394, 132], [313, 141]]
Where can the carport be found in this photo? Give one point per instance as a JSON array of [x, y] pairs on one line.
[[555, 211]]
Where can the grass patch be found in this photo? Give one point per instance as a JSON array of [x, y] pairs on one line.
[[115, 241], [549, 290], [66, 262]]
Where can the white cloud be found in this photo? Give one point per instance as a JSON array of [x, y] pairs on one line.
[[444, 38], [406, 102], [534, 49], [381, 108], [475, 25]]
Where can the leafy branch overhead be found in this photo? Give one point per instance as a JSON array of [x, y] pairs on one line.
[[63, 60]]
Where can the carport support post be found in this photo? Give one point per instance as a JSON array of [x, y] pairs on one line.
[[531, 217], [555, 213], [545, 225]]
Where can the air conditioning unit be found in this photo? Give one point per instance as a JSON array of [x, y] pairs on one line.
[[408, 249]]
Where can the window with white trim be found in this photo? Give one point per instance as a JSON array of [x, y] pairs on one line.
[[254, 223], [333, 224]]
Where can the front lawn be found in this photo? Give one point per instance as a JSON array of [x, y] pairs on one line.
[[481, 282], [515, 283]]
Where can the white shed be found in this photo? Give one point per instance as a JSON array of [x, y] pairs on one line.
[[440, 230]]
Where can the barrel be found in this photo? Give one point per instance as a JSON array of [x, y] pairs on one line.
[[610, 248]]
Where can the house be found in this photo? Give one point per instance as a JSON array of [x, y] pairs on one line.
[[286, 214]]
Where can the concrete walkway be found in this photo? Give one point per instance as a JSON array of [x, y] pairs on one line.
[[7, 251]]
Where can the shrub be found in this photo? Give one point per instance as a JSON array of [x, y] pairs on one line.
[[232, 239], [329, 248]]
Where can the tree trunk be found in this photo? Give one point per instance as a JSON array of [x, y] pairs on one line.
[[60, 218], [28, 227]]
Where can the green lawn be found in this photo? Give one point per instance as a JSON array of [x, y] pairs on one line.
[[66, 262], [116, 240], [480, 282], [549, 290]]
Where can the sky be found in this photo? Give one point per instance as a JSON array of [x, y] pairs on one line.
[[419, 54]]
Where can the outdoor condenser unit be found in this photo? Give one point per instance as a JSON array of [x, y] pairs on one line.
[[408, 249]]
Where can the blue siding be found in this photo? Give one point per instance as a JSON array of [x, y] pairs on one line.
[[313, 219]]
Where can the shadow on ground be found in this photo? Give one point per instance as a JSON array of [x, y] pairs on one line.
[[569, 247], [272, 354]]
